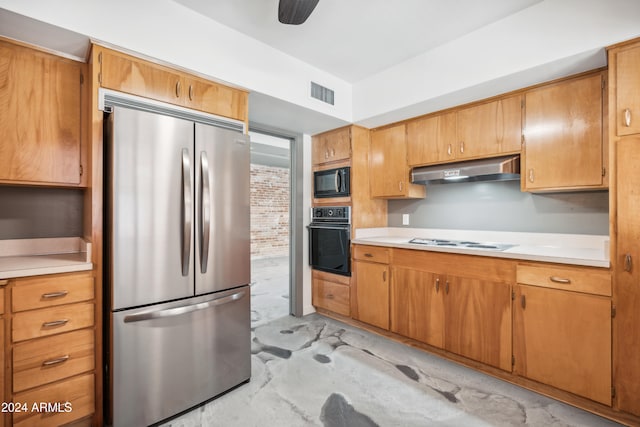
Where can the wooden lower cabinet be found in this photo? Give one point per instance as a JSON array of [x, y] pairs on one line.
[[372, 293], [563, 339], [331, 292], [371, 285], [51, 350], [478, 320], [417, 307], [468, 316], [69, 401]]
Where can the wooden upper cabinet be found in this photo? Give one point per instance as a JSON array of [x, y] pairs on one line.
[[431, 139], [388, 168], [332, 146], [40, 101], [628, 90], [483, 130], [490, 129], [130, 75], [136, 76], [208, 96], [563, 136]]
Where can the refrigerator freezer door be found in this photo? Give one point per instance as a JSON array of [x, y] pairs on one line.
[[173, 356], [222, 204], [152, 204]]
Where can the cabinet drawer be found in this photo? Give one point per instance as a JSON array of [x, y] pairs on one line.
[[371, 253], [332, 296], [50, 321], [587, 280], [41, 292], [45, 360], [75, 397]]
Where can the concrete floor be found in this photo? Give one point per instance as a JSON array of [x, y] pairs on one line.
[[269, 290], [315, 371]]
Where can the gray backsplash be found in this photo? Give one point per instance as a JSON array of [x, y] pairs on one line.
[[501, 206], [36, 212]]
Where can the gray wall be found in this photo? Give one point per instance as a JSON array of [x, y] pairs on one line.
[[500, 206], [30, 212]]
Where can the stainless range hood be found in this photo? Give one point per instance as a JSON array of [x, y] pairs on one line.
[[503, 168]]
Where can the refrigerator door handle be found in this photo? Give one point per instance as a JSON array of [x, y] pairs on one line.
[[205, 212], [186, 211], [177, 311]]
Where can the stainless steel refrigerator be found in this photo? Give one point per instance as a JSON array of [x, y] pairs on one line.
[[178, 264]]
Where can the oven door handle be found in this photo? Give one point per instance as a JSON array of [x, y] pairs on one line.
[[330, 227]]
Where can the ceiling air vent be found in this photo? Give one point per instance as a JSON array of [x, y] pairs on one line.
[[322, 93]]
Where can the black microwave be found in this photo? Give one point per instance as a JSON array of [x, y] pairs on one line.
[[332, 183]]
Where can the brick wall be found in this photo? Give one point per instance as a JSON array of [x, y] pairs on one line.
[[269, 211]]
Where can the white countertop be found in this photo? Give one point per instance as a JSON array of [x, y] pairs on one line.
[[34, 257], [576, 249]]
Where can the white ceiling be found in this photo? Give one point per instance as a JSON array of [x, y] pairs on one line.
[[353, 39]]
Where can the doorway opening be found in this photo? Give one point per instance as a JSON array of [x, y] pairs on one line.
[[270, 227]]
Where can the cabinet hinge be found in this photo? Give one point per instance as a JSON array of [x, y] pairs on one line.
[[81, 170], [613, 311]]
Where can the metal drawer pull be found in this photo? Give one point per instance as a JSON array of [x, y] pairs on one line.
[[627, 117], [437, 285], [55, 294], [446, 287], [384, 276], [56, 361], [628, 263], [368, 255], [523, 301], [55, 323], [329, 296], [560, 280], [178, 89]]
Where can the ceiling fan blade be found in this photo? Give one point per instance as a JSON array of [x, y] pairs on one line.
[[295, 12]]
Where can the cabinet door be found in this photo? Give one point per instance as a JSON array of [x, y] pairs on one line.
[[214, 98], [628, 91], [388, 162], [131, 75], [432, 139], [563, 135], [40, 120], [372, 293], [417, 309], [332, 146], [563, 339], [626, 289], [490, 129], [478, 320]]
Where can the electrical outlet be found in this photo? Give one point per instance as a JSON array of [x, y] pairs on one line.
[[405, 219]]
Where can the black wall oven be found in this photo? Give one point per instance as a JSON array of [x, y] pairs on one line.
[[332, 183], [330, 239]]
